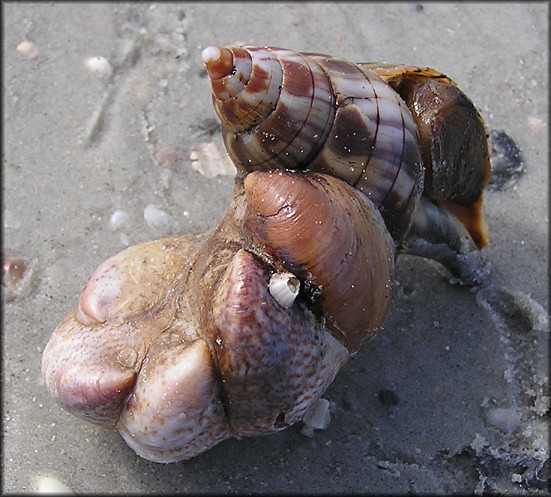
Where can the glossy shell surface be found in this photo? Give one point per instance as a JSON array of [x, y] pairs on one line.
[[394, 132], [318, 113]]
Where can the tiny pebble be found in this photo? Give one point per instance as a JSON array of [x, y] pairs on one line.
[[118, 219], [27, 49]]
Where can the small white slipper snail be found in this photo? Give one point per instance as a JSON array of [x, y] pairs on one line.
[[284, 288], [180, 343]]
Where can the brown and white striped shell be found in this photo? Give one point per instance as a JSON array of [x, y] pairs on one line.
[[180, 343], [394, 132], [286, 110]]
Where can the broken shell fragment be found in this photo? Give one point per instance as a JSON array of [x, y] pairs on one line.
[[317, 417]]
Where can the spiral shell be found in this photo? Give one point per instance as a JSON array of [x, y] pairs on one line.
[[396, 133], [286, 110]]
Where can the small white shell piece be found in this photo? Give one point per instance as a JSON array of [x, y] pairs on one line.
[[317, 417], [51, 485], [98, 65], [210, 159], [155, 217], [284, 288], [27, 49]]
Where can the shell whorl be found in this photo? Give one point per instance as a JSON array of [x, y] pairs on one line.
[[313, 112]]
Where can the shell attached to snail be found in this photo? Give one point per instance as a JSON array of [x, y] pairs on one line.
[[180, 343]]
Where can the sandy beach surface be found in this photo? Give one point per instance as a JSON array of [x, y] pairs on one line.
[[452, 396]]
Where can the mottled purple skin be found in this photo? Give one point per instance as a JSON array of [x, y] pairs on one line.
[[178, 342], [94, 356], [273, 363]]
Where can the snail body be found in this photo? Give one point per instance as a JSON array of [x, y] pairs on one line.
[[182, 342], [175, 342]]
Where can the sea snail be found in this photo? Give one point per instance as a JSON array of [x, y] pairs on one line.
[[180, 343], [406, 137]]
